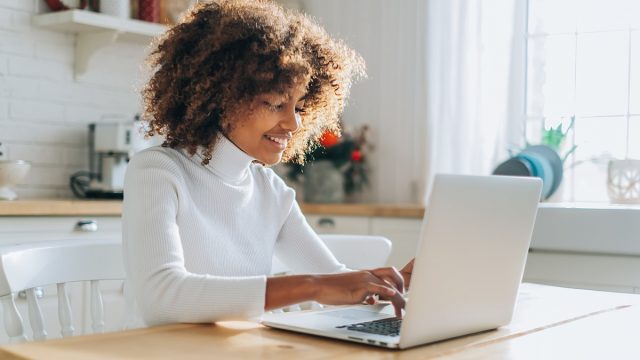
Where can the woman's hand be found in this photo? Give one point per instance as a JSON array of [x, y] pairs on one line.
[[355, 287], [406, 272]]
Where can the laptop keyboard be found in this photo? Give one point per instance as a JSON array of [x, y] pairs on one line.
[[388, 327]]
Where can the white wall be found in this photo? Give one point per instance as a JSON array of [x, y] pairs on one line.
[[386, 34], [44, 111]]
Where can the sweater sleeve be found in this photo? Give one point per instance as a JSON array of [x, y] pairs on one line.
[[301, 249], [166, 292]]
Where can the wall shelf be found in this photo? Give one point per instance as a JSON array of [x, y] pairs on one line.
[[95, 31]]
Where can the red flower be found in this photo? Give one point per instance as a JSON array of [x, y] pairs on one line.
[[356, 155], [328, 139]]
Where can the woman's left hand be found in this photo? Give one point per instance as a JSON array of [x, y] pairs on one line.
[[406, 273]]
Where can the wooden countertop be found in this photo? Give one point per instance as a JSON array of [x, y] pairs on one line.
[[72, 207], [61, 207], [384, 210]]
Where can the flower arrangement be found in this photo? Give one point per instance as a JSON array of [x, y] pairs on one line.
[[347, 152]]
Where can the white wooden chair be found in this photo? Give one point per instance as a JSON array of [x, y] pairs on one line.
[[357, 252], [30, 266]]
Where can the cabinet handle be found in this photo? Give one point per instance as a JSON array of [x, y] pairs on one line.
[[38, 290], [87, 225], [326, 223]]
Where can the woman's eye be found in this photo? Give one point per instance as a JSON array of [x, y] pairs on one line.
[[273, 107]]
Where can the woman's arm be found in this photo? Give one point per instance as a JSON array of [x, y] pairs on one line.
[[336, 289]]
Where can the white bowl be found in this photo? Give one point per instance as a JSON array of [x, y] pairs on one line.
[[11, 173]]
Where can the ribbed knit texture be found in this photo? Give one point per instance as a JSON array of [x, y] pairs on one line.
[[199, 240]]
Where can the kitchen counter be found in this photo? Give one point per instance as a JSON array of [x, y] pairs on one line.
[[60, 207], [72, 207]]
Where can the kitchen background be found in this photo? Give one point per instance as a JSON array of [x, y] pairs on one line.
[[504, 83], [45, 109]]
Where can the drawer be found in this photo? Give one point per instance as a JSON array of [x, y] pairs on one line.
[[23, 229], [351, 225]]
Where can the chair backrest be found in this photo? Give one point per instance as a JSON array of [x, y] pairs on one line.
[[357, 252], [26, 267]]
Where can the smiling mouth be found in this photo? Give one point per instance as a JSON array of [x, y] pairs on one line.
[[278, 140]]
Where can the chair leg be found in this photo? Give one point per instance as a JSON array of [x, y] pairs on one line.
[[35, 316], [129, 306], [97, 308], [12, 320], [64, 312]]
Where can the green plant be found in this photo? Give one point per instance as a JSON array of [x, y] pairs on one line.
[[554, 138]]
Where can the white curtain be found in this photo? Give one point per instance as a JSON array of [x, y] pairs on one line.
[[473, 82]]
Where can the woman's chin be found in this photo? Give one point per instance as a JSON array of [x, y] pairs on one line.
[[270, 159]]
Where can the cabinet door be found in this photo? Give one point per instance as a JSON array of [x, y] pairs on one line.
[[586, 271], [403, 233], [349, 225]]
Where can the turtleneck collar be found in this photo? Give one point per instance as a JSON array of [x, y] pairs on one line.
[[227, 160]]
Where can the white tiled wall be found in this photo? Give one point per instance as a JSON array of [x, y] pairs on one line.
[[44, 110]]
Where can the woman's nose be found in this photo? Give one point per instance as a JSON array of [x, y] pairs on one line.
[[292, 121]]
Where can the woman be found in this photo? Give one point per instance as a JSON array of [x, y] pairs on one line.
[[236, 86]]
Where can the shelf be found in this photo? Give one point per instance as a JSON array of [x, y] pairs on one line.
[[95, 31]]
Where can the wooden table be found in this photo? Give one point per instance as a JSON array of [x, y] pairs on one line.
[[550, 323]]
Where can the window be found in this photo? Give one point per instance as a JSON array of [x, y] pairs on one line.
[[583, 63]]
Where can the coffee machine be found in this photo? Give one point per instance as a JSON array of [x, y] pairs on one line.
[[111, 144]]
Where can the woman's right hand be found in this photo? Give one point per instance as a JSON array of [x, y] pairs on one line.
[[356, 286]]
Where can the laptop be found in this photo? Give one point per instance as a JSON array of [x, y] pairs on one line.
[[470, 260]]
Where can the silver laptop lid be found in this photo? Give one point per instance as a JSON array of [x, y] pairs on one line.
[[471, 255]]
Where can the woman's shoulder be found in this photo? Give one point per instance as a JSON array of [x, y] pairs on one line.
[[271, 178], [157, 157]]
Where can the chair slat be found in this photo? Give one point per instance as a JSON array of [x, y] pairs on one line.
[[64, 311], [35, 316], [97, 307], [129, 306], [12, 320]]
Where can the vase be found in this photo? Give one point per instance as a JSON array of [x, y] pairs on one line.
[[623, 181], [323, 183]]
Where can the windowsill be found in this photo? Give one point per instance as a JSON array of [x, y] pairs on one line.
[[588, 205]]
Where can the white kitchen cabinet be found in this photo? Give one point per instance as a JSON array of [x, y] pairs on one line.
[[619, 273], [350, 225], [24, 229], [403, 233], [586, 246]]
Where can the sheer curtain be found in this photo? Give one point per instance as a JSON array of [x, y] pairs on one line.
[[473, 82]]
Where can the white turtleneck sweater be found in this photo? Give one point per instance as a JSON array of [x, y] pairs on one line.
[[199, 240]]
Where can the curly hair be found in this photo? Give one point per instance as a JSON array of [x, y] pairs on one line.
[[224, 53]]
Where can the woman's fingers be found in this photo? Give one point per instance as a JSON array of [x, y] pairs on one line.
[[406, 273], [390, 293], [392, 276]]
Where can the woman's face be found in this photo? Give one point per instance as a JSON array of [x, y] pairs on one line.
[[263, 130]]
